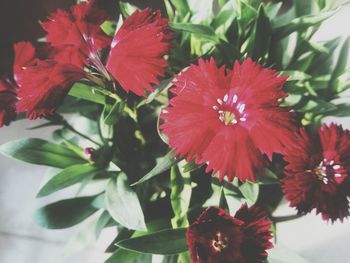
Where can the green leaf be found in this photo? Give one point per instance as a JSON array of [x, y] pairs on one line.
[[69, 176], [341, 64], [86, 92], [250, 191], [181, 6], [272, 9], [127, 9], [199, 30], [300, 23], [42, 152], [224, 19], [127, 256], [165, 242], [163, 164], [65, 213], [262, 35], [123, 204], [109, 27], [295, 75], [102, 222], [111, 113], [180, 184], [164, 85]]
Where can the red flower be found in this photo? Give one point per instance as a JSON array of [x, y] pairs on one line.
[[7, 102], [79, 28], [42, 84], [228, 121], [317, 173], [137, 53], [217, 237]]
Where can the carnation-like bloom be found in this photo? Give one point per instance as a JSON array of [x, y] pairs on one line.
[[228, 120], [318, 172], [217, 237], [42, 84], [136, 59], [77, 31], [7, 102]]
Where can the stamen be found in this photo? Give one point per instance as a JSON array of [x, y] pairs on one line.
[[336, 167], [225, 98], [241, 108], [219, 101], [234, 100]]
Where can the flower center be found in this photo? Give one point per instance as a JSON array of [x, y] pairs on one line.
[[328, 171], [230, 110], [220, 242]]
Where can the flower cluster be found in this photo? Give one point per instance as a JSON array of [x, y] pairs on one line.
[[233, 121], [44, 76]]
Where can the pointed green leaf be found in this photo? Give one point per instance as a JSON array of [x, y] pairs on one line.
[[127, 256], [86, 92], [250, 191], [300, 23], [180, 184], [42, 152], [65, 213], [69, 176], [163, 164], [262, 36], [165, 242], [341, 63], [123, 204], [199, 30]]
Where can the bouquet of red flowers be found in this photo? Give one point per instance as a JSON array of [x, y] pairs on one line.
[[198, 124]]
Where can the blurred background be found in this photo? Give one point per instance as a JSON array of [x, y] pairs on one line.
[[21, 241]]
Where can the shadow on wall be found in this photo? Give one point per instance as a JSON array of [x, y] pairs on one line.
[[19, 21]]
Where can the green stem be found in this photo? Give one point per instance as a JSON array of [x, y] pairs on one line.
[[72, 129], [280, 219]]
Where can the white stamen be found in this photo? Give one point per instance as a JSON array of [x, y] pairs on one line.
[[321, 163], [219, 101], [324, 168], [221, 111], [165, 111], [234, 100], [241, 108], [337, 175], [331, 162], [225, 98], [234, 121], [325, 180], [242, 119], [325, 160], [336, 167], [215, 107]]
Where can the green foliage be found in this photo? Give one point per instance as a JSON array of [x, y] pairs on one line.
[[123, 204], [164, 242], [69, 176], [65, 213], [130, 148], [38, 151]]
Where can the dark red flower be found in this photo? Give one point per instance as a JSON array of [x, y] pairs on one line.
[[7, 102], [137, 53], [42, 84], [317, 172], [78, 28], [228, 121], [217, 237]]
